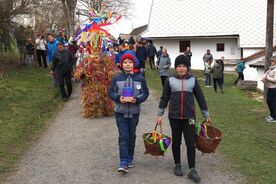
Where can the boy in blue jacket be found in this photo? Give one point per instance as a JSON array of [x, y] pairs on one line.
[[179, 91], [128, 90]]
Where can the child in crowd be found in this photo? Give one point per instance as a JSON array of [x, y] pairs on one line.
[[128, 90], [180, 91], [208, 73]]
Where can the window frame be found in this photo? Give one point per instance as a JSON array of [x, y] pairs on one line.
[[220, 47], [183, 44]]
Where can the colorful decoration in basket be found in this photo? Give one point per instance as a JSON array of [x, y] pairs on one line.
[[156, 143], [207, 138], [202, 130], [95, 69]]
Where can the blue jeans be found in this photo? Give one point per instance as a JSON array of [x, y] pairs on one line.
[[207, 79], [127, 137]]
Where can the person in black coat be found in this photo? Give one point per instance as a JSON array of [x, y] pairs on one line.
[[188, 55], [159, 52], [63, 64], [141, 54], [151, 53]]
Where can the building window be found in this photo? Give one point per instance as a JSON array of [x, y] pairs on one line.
[[183, 45], [220, 47]]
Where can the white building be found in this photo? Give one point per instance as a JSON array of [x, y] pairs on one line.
[[232, 29], [257, 61]]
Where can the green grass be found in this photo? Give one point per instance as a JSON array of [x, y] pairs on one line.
[[249, 142], [27, 102]]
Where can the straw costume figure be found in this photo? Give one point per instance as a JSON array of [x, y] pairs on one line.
[[96, 70]]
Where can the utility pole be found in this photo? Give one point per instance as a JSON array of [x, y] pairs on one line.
[[269, 33], [269, 36]]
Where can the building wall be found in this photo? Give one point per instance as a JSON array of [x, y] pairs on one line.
[[250, 51], [199, 47], [259, 72], [260, 84]]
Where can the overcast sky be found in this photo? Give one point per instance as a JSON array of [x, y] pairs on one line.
[[140, 17]]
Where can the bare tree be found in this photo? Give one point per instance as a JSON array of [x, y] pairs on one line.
[[69, 7], [118, 7], [9, 12], [49, 16]]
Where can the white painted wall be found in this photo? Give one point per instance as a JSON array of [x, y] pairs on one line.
[[250, 51], [251, 73], [260, 84], [258, 72], [199, 47]]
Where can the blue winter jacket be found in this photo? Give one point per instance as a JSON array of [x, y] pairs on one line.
[[51, 50], [141, 92]]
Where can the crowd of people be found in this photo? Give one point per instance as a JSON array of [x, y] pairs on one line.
[[129, 89]]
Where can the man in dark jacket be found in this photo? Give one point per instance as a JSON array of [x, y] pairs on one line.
[[63, 63], [159, 52], [151, 53], [188, 55], [141, 54]]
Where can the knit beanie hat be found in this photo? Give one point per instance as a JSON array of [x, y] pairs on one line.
[[127, 56], [181, 59]]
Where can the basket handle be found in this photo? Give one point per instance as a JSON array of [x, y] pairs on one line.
[[157, 126], [207, 123]]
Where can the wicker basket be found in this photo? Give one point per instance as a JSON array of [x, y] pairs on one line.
[[208, 144], [156, 143]]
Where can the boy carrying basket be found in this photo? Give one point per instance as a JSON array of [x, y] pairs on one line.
[[180, 91]]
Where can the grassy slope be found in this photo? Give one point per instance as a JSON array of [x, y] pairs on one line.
[[27, 102]]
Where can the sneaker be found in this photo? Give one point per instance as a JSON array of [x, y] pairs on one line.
[[271, 120], [123, 170], [131, 164], [177, 170], [268, 118], [194, 176]]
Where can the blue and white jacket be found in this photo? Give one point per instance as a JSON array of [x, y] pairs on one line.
[[141, 92], [180, 93]]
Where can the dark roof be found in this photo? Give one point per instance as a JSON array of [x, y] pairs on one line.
[[258, 64], [124, 36], [139, 30]]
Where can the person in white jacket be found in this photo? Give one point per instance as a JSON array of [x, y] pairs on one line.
[[40, 44], [269, 80]]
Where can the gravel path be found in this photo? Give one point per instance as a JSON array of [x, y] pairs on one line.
[[75, 150]]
